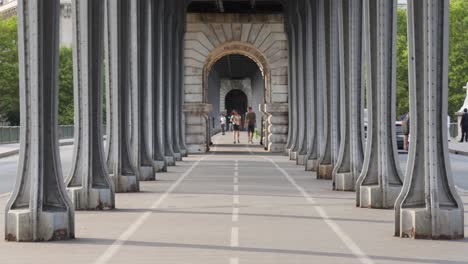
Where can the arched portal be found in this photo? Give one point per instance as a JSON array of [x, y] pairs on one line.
[[236, 100], [262, 39]]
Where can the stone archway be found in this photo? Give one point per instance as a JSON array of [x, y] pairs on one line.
[[262, 38]]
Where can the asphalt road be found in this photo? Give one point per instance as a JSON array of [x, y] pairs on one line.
[[8, 167]]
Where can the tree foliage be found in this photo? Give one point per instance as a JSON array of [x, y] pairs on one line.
[[458, 58], [9, 77], [9, 81], [66, 87], [402, 65]]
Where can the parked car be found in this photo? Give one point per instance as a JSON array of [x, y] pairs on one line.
[[398, 131]]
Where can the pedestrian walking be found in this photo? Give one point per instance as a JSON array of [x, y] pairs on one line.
[[464, 126], [222, 120], [236, 120], [250, 123]]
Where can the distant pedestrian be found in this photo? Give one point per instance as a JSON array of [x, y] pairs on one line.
[[222, 120], [228, 123], [464, 126], [236, 120], [250, 122], [405, 125]]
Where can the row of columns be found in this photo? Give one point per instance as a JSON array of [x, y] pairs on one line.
[[343, 56], [137, 46]]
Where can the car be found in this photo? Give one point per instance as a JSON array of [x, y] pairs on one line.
[[398, 131]]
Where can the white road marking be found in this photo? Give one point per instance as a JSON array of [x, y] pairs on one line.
[[236, 174], [234, 236], [235, 214], [233, 261], [236, 188], [236, 169], [235, 199], [347, 240], [236, 180], [114, 248]]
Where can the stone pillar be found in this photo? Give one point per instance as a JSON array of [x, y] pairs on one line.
[[155, 111], [291, 31], [160, 86], [39, 208], [293, 95], [331, 107], [168, 87], [89, 184], [124, 175], [428, 205], [109, 97], [380, 181], [196, 127], [265, 134], [142, 161], [176, 89], [349, 164], [300, 148], [277, 126], [312, 101]]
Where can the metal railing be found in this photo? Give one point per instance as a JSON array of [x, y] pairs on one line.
[[11, 134]]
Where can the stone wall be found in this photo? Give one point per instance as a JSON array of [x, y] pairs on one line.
[[210, 37]]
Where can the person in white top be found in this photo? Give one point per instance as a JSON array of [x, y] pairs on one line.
[[222, 120]]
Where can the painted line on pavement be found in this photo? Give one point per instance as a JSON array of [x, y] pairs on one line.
[[114, 248], [236, 188], [347, 240], [236, 180], [234, 236], [235, 199], [233, 261], [235, 214]]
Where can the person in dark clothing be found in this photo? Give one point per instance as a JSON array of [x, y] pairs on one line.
[[464, 126]]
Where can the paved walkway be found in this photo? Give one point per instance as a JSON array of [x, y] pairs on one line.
[[236, 205], [459, 148]]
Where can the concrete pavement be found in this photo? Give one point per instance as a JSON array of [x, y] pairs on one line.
[[235, 205]]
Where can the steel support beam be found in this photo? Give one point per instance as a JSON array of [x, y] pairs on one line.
[[428, 206], [380, 181], [124, 176], [331, 107], [39, 208], [349, 164], [89, 185]]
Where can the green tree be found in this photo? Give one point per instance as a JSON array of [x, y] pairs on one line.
[[66, 87], [9, 77], [458, 59], [402, 65], [9, 81]]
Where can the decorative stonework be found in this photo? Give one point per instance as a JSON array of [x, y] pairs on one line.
[[261, 38], [227, 85]]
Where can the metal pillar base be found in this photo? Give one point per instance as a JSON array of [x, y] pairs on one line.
[[50, 225], [178, 156], [373, 196], [147, 173], [417, 223], [325, 172], [311, 165], [301, 159], [159, 166], [345, 182], [124, 184], [292, 155], [183, 153], [91, 199], [170, 161]]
